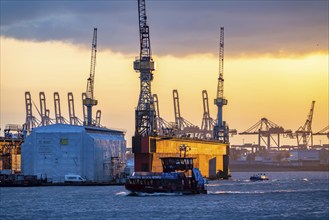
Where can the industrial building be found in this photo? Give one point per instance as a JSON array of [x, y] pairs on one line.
[[53, 151]]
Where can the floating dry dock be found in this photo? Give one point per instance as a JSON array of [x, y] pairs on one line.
[[211, 157]]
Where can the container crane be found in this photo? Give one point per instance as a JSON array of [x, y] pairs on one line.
[[44, 112], [58, 115], [74, 120], [304, 133], [89, 101], [144, 113], [208, 123], [184, 127], [162, 126], [221, 129], [30, 121], [268, 132]]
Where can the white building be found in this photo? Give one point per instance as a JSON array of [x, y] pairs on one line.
[[96, 154], [305, 155]]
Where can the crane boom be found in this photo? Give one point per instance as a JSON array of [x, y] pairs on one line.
[[90, 85], [144, 113], [89, 101], [220, 129], [304, 134], [308, 123], [220, 87]]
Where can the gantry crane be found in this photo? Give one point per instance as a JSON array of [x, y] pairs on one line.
[[44, 112], [208, 123], [144, 113], [162, 126], [58, 115], [183, 128], [221, 129], [267, 131], [304, 133], [74, 120], [30, 121], [89, 101]]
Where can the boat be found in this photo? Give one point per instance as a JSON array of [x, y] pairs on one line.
[[259, 177], [178, 176]]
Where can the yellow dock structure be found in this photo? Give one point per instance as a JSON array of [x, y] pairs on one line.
[[211, 157]]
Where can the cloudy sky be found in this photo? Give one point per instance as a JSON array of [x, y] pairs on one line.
[[177, 27], [276, 58]]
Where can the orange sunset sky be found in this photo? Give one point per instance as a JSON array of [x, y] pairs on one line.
[[276, 59]]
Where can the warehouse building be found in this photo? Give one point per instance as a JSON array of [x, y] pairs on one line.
[[96, 154]]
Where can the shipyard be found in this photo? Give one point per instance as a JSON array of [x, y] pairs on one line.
[[42, 147], [51, 146], [164, 109]]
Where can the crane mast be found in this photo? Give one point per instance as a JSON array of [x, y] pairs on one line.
[[89, 101], [220, 129], [144, 113]]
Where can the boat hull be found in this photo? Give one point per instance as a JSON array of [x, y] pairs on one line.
[[164, 189], [259, 177]]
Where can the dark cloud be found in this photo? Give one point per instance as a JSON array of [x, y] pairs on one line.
[[176, 27]]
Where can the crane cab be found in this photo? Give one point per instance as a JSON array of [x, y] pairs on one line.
[[144, 65]]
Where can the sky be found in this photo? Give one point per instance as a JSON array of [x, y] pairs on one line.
[[275, 62]]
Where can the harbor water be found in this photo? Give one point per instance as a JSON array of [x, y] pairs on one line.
[[287, 195]]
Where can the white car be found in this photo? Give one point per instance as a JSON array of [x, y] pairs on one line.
[[71, 178]]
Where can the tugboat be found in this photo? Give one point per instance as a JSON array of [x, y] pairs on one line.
[[178, 176], [259, 177]]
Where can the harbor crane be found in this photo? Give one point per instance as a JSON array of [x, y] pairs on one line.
[[74, 120], [221, 129], [144, 113], [184, 127], [89, 101], [267, 131], [162, 126], [304, 133], [30, 120], [208, 123], [58, 115], [97, 121], [44, 112]]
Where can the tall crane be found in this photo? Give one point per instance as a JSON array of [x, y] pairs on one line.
[[44, 112], [208, 123], [57, 105], [162, 126], [221, 129], [89, 101], [304, 133], [184, 127], [30, 121], [144, 113], [74, 120]]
